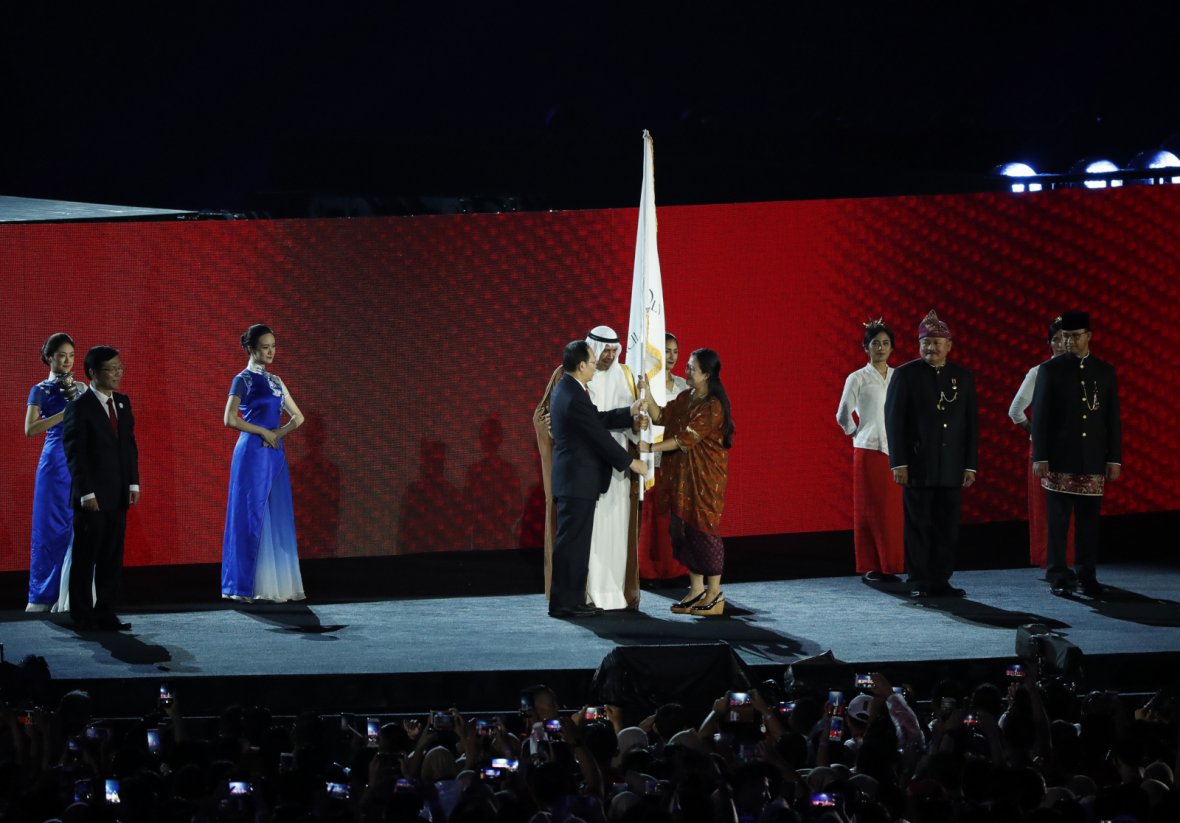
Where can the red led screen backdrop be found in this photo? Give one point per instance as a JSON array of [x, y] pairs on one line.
[[418, 347]]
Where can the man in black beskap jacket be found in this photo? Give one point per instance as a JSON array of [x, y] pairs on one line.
[[932, 422], [98, 433], [1077, 447]]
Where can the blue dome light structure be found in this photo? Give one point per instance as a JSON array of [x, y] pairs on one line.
[[1018, 170], [1097, 166], [1156, 159]]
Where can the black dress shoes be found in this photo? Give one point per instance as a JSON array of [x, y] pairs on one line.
[[945, 590], [1062, 588], [948, 590], [576, 612], [111, 623]]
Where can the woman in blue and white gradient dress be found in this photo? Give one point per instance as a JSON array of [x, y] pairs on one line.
[[259, 557], [53, 517]]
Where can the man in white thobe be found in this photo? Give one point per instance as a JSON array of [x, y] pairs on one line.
[[613, 582]]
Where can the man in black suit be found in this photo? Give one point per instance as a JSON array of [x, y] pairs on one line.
[[583, 455], [932, 423], [99, 438], [1077, 447]]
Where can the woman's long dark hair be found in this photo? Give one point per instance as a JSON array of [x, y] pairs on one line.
[[53, 344], [875, 328], [1054, 327], [252, 335], [709, 363]]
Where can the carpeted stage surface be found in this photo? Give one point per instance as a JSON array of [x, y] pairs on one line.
[[479, 650]]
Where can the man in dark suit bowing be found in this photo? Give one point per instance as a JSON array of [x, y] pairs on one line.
[[583, 455], [1077, 447], [932, 422], [99, 438]]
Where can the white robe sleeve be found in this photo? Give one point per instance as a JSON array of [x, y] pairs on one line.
[[1023, 398], [848, 402]]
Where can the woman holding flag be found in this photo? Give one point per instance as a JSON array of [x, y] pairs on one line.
[[698, 434]]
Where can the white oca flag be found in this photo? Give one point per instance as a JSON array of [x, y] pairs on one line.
[[645, 330]]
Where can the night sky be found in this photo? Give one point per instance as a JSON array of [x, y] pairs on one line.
[[235, 107]]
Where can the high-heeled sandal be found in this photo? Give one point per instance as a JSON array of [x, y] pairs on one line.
[[684, 605], [717, 606]]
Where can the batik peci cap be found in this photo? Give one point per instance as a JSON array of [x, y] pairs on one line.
[[931, 326]]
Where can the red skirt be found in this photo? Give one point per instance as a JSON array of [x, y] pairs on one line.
[[878, 522], [1038, 523]]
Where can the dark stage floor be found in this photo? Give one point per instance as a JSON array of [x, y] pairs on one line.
[[478, 651]]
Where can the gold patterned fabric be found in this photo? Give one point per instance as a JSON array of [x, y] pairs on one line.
[[697, 473]]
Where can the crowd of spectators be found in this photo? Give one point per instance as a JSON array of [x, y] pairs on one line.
[[1029, 750]]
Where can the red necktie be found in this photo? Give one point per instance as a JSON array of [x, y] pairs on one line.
[[114, 418]]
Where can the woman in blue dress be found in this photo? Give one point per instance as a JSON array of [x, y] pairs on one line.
[[53, 517], [259, 561]]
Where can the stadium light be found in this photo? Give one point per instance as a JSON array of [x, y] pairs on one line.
[[1016, 171], [1097, 166], [1156, 159]]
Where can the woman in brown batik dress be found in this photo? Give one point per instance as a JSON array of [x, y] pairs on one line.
[[697, 437]]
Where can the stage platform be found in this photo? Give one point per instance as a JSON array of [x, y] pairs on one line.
[[478, 651]]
